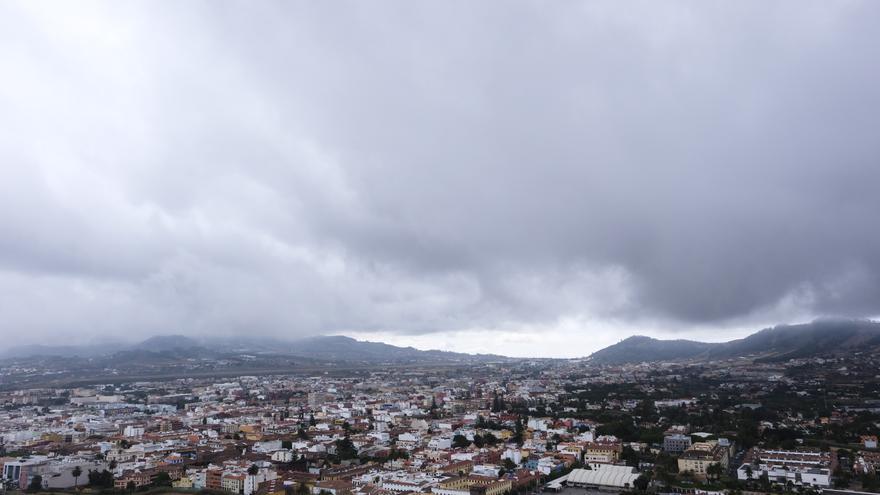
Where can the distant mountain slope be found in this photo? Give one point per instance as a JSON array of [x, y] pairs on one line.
[[810, 339], [90, 350], [325, 348], [639, 348], [343, 348], [783, 342], [161, 343]]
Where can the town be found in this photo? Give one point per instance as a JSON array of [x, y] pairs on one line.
[[493, 428], [514, 247]]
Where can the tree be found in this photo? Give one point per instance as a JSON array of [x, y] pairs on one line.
[[345, 449], [641, 483], [435, 411], [100, 479], [253, 470], [841, 478], [130, 486], [645, 409], [460, 441], [509, 464], [489, 438], [36, 484], [478, 441], [749, 472], [765, 480], [714, 471], [630, 456], [518, 431], [163, 479], [76, 473], [870, 483]]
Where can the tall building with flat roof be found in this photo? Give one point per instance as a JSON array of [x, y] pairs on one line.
[[676, 443]]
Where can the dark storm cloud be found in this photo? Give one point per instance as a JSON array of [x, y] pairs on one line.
[[314, 168]]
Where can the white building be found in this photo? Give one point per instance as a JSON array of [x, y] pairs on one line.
[[283, 455], [266, 447], [603, 476], [133, 431], [514, 455], [252, 482], [440, 443], [537, 424], [799, 476], [801, 467]]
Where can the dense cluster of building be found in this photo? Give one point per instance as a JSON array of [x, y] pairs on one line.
[[483, 430]]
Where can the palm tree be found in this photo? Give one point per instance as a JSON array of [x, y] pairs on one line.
[[77, 472], [714, 471]]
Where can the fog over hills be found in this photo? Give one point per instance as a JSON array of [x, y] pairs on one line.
[[782, 342], [336, 348], [779, 343]]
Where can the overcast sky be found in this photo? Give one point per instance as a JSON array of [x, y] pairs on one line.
[[524, 178]]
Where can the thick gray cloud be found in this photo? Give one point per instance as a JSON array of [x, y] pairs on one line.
[[430, 168]]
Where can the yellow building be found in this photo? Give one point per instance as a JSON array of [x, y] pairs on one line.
[[499, 487], [607, 453], [233, 483], [473, 485], [183, 482], [700, 456]]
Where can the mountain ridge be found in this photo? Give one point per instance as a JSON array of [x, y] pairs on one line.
[[337, 348], [778, 343]]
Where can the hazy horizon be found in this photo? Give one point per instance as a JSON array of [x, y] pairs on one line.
[[516, 178], [574, 348]]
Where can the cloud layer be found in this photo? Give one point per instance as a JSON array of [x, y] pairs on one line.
[[436, 169]]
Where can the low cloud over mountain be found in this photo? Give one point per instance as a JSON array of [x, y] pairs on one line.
[[567, 170]]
